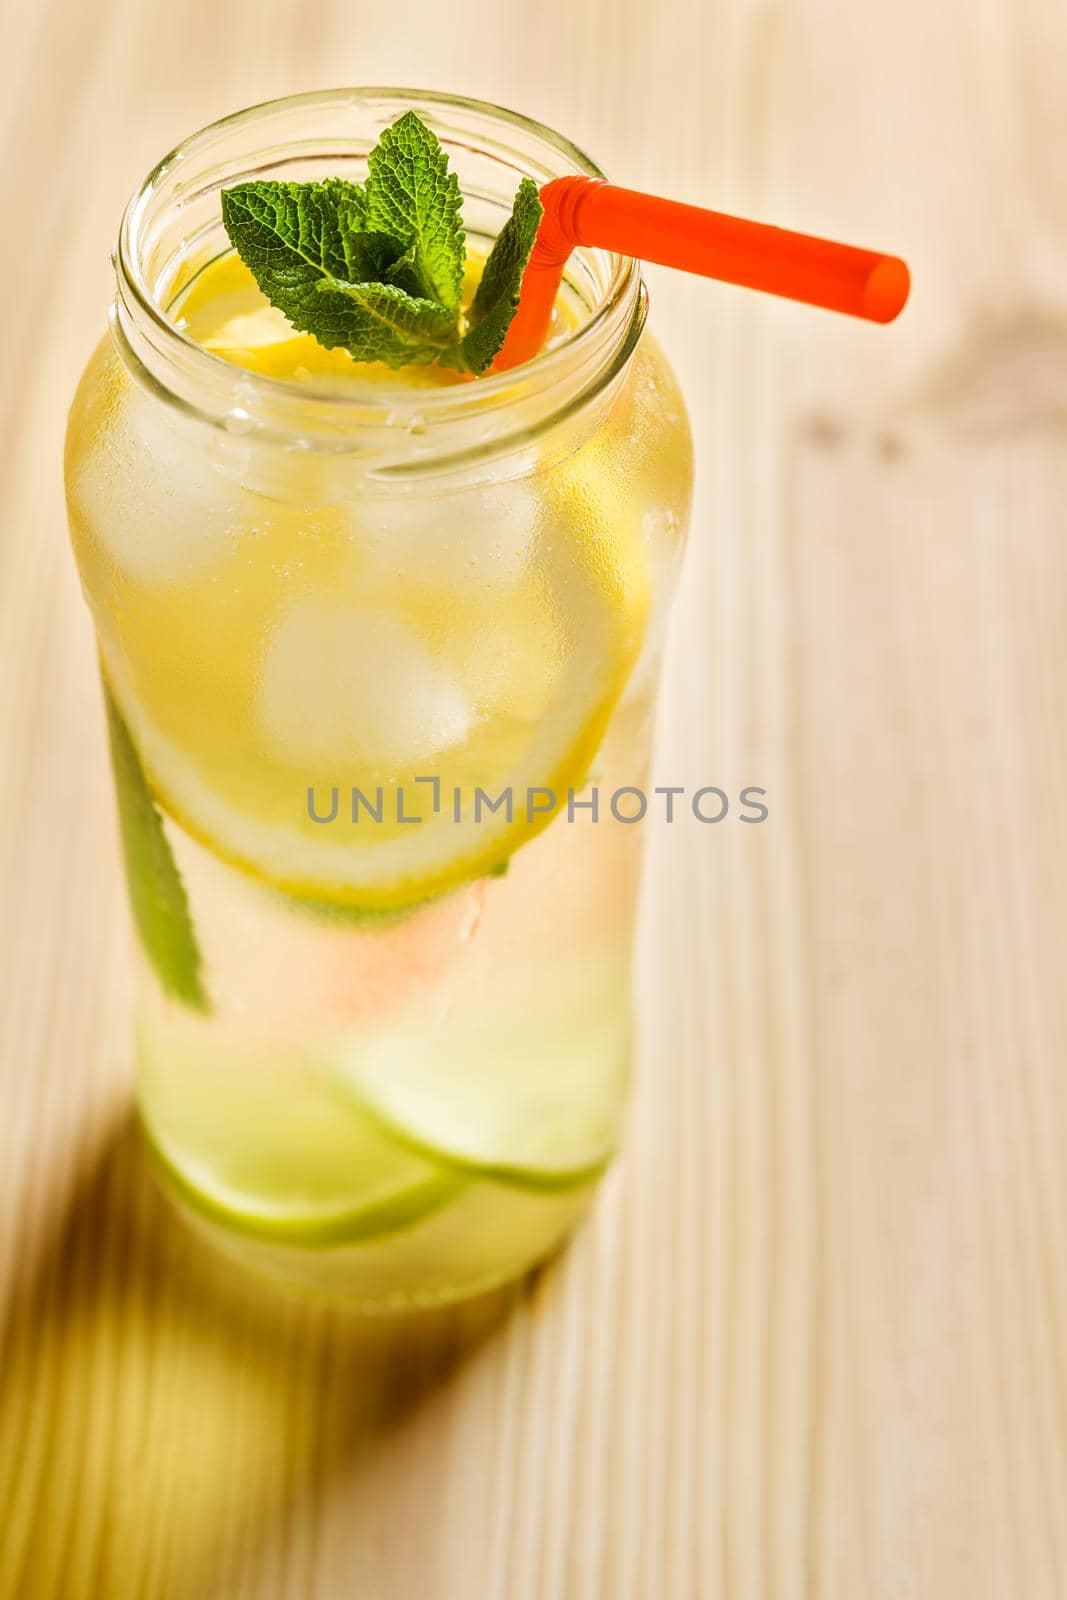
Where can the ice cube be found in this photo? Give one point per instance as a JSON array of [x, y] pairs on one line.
[[341, 683], [475, 539], [148, 492]]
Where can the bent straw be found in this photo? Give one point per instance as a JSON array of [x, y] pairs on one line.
[[588, 211]]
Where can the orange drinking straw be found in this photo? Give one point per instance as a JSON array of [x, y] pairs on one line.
[[862, 283]]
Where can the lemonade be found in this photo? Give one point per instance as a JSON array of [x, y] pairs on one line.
[[356, 624]]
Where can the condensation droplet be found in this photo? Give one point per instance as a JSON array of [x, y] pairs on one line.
[[472, 912]]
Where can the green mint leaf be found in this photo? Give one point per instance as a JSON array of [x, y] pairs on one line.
[[411, 194], [497, 297], [380, 322], [375, 258], [377, 269], [509, 255], [379, 258], [348, 201], [157, 894], [371, 256], [291, 235], [301, 245], [404, 273]]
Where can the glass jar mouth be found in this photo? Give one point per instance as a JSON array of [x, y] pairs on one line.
[[172, 210]]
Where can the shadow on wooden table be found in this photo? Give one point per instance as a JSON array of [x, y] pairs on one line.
[[162, 1420]]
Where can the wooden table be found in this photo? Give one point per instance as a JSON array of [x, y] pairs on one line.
[[813, 1342]]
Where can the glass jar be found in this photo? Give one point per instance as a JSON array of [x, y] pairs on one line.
[[378, 658]]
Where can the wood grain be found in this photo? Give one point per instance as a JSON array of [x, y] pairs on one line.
[[813, 1342]]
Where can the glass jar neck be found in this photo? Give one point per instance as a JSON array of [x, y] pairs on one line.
[[172, 227]]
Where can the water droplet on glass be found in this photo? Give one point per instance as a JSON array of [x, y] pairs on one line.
[[472, 912]]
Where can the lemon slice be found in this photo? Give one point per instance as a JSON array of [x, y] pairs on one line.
[[301, 358], [243, 693], [479, 636], [223, 310]]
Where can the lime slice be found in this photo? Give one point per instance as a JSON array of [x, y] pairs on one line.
[[270, 1148], [486, 1236], [292, 1225], [528, 1090]]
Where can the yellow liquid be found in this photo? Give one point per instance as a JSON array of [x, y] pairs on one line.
[[412, 1071]]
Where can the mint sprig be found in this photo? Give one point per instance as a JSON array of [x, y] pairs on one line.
[[377, 269]]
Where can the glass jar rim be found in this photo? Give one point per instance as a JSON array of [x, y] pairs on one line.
[[598, 347]]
